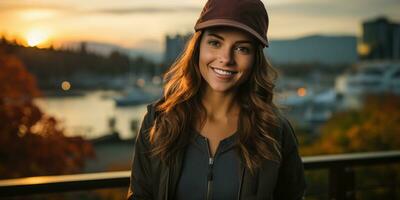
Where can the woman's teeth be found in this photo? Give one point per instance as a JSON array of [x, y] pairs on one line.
[[222, 72]]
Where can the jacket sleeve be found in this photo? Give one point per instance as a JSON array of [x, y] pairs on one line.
[[291, 181], [140, 187]]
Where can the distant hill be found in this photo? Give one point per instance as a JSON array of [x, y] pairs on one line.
[[310, 49], [106, 49], [316, 48]]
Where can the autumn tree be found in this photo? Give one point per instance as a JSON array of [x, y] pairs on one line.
[[374, 127], [31, 142]]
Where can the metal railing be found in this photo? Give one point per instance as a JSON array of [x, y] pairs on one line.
[[341, 169], [341, 176]]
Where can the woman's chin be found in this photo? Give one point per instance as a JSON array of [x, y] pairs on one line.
[[220, 88]]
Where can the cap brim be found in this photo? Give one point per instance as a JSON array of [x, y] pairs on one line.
[[231, 23]]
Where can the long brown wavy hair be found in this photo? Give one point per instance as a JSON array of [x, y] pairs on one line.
[[181, 107]]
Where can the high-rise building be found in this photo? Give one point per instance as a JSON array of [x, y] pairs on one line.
[[380, 40], [396, 42], [174, 45]]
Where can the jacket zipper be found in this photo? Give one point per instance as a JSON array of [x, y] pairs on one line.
[[210, 172]]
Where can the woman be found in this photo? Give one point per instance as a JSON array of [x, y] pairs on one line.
[[216, 134]]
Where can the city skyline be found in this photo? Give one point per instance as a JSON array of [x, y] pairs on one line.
[[144, 24]]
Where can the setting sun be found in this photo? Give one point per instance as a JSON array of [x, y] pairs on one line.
[[36, 37]]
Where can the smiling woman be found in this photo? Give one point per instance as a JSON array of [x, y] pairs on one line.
[[216, 133]]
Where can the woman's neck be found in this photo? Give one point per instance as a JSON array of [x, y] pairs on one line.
[[219, 105]]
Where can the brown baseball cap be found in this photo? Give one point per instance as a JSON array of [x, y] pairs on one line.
[[248, 15]]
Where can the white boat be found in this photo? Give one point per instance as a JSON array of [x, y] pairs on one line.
[[135, 96], [368, 78]]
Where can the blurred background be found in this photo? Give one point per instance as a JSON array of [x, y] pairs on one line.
[[76, 76]]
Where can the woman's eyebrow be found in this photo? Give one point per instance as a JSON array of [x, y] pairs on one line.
[[216, 35], [244, 41], [222, 38]]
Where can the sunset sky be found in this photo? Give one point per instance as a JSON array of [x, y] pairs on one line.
[[144, 23]]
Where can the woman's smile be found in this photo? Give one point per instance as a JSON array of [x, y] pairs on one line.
[[223, 74]]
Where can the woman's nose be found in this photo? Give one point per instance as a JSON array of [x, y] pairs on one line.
[[225, 56]]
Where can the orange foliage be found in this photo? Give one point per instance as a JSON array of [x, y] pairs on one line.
[[375, 127], [32, 143]]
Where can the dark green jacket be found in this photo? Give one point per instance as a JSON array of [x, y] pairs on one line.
[[151, 179]]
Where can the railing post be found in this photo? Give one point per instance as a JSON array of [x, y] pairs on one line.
[[393, 185], [341, 183]]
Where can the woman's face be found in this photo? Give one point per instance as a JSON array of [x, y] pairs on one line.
[[226, 58]]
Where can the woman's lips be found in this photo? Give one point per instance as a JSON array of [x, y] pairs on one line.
[[223, 74]]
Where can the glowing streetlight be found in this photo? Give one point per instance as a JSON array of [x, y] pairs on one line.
[[65, 85], [302, 92]]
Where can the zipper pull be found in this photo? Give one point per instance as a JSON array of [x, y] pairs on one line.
[[210, 171]]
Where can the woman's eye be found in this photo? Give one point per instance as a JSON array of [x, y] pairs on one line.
[[243, 50], [214, 43]]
